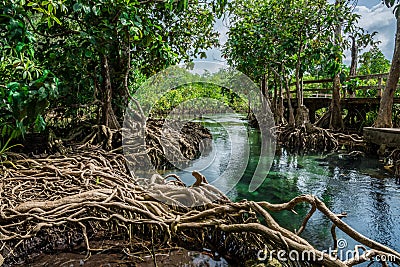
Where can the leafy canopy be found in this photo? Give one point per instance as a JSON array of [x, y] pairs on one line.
[[53, 53], [297, 34]]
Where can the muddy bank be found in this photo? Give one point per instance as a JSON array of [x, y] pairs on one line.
[[166, 257]]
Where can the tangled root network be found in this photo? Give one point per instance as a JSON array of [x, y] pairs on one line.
[[84, 198]]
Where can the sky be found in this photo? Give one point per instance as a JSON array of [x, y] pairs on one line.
[[374, 17], [377, 17]]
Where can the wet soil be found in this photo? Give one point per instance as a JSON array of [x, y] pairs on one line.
[[171, 257]]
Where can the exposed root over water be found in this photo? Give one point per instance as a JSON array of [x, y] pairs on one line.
[[86, 197], [309, 137], [156, 137]]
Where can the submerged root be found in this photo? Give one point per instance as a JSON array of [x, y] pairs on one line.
[[85, 196]]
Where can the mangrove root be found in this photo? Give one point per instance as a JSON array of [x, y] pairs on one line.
[[87, 196]]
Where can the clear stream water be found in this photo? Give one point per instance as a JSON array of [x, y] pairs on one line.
[[364, 190]]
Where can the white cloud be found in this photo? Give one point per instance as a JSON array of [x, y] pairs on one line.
[[215, 54], [374, 17], [381, 19]]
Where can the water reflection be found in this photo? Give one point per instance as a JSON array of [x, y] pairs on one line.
[[357, 186], [381, 220], [368, 194]]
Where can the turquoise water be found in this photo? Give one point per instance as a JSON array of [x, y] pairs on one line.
[[368, 194], [360, 187]]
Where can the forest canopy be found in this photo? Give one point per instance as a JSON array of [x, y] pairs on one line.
[[59, 56], [65, 59]]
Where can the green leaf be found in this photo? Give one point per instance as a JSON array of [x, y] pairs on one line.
[[96, 10], [88, 53], [389, 3], [41, 10], [77, 7], [20, 46], [40, 124], [86, 9], [56, 20], [4, 131], [42, 93], [14, 96], [397, 12], [13, 86]]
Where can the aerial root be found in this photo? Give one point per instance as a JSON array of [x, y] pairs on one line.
[[155, 140]]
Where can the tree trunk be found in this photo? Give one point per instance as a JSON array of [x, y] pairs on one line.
[[354, 56], [353, 65], [290, 108], [119, 67], [108, 117], [275, 101], [384, 119], [298, 86], [286, 80], [280, 111], [336, 121], [302, 114], [264, 86]]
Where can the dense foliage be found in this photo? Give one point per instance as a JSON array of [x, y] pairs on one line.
[[298, 34], [62, 57], [373, 61], [197, 99]]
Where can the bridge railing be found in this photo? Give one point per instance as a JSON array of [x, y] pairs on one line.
[[348, 88]]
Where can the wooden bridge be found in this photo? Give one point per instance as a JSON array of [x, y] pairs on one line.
[[365, 97], [360, 104]]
